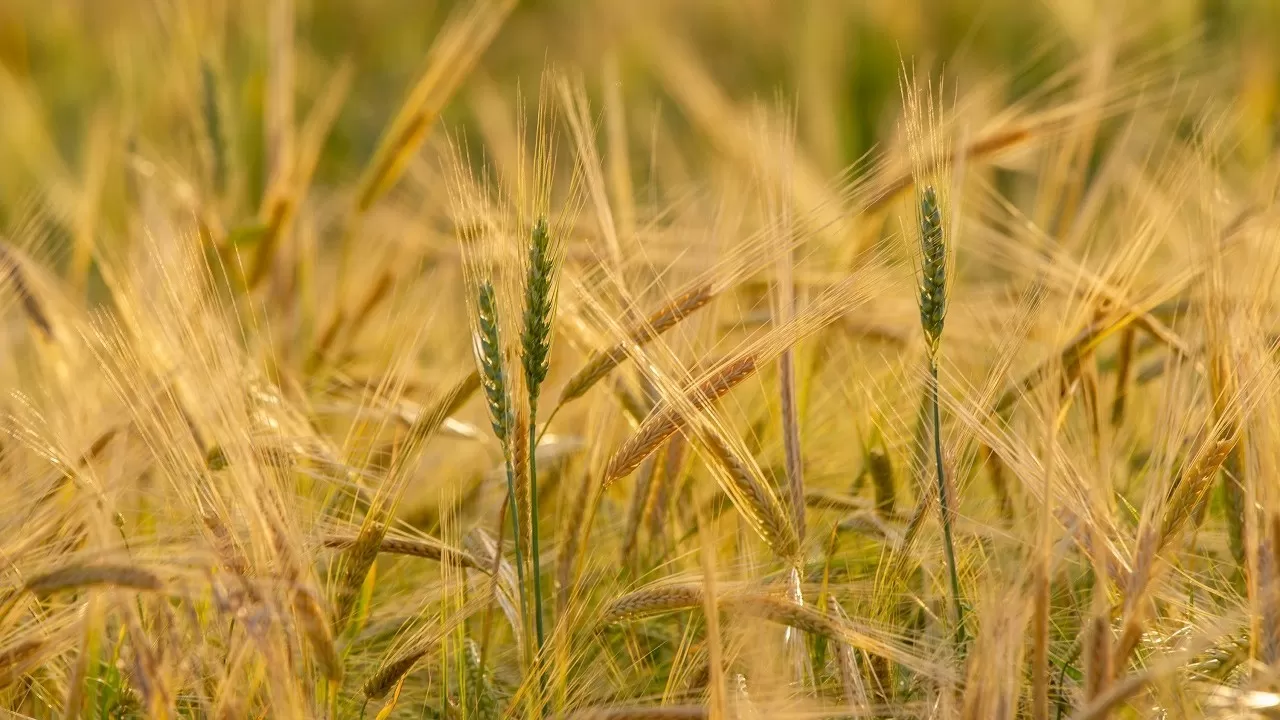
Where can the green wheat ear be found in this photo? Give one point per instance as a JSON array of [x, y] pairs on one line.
[[933, 281], [492, 377], [539, 292]]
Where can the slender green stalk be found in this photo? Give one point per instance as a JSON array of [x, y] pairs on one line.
[[493, 380], [540, 296], [945, 500], [933, 315], [533, 504]]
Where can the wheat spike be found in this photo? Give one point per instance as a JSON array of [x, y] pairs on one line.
[[852, 689], [316, 629], [213, 125], [356, 562], [652, 601], [480, 691], [428, 548], [490, 353], [933, 281], [753, 499], [381, 682], [664, 420], [17, 657], [881, 468], [540, 298], [73, 577], [657, 323]]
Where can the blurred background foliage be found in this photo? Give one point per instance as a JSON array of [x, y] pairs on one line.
[[133, 68]]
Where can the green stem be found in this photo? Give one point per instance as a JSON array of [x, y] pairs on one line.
[[945, 502], [515, 534], [533, 520]]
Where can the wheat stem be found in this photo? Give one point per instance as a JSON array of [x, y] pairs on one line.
[[945, 500], [493, 380], [539, 310], [933, 315]]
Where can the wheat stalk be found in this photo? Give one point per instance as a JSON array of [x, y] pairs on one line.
[[535, 340], [933, 314]]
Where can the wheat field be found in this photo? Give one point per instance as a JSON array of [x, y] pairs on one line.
[[619, 360]]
